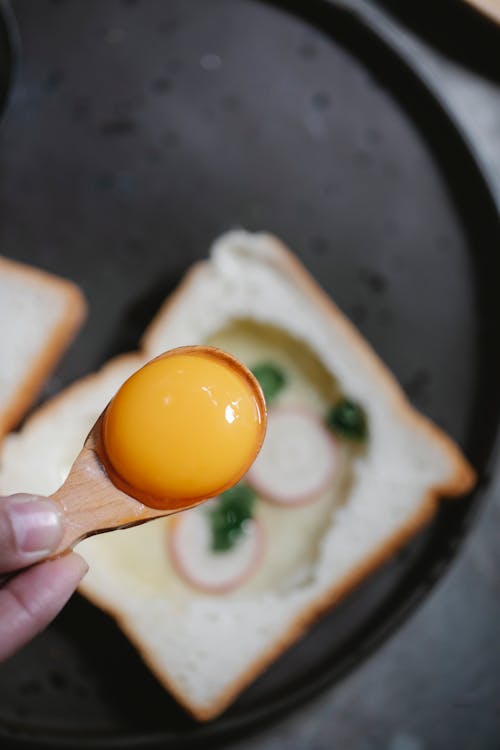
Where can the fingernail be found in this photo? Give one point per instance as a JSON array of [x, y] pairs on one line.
[[36, 523]]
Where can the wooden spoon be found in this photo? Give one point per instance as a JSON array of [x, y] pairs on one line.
[[91, 503]]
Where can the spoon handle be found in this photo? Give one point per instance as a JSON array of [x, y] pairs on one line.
[[91, 504]]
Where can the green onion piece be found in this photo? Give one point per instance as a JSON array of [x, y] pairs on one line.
[[348, 420], [271, 379], [228, 516]]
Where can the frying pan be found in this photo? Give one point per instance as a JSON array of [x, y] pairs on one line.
[[136, 134]]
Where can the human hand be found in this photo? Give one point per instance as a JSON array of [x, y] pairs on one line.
[[30, 528]]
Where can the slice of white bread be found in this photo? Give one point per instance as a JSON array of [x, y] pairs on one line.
[[206, 648], [39, 315]]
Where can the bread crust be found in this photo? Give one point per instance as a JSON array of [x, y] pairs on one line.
[[461, 480], [70, 321]]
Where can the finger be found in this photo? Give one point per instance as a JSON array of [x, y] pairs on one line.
[[30, 600], [30, 528]]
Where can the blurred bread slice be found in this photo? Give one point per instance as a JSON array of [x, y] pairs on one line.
[[206, 648], [39, 316], [489, 8]]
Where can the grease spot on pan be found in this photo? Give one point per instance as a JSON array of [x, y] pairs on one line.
[[418, 385], [81, 107], [319, 245], [170, 138], [373, 280], [174, 65], [373, 136], [363, 158], [231, 103], [54, 80], [384, 316], [161, 85], [358, 313], [307, 51], [30, 687], [118, 127], [153, 155], [320, 101], [115, 35], [211, 62], [57, 681], [104, 181]]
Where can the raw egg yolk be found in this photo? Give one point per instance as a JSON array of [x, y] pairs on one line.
[[185, 427]]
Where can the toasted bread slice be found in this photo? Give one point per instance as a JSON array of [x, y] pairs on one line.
[[39, 315], [206, 648]]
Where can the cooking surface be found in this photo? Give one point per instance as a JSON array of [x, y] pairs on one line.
[[137, 132]]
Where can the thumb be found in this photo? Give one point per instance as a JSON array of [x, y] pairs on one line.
[[30, 528]]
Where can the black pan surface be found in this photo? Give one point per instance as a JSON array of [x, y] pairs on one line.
[[8, 51], [136, 133]]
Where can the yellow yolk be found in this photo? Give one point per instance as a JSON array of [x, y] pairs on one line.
[[185, 427]]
